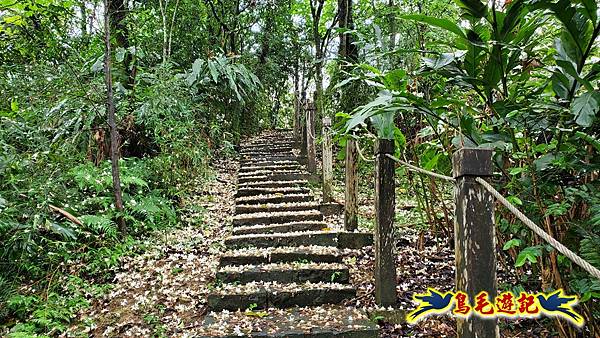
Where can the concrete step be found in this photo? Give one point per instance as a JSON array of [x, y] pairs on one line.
[[273, 184], [268, 163], [275, 176], [272, 294], [274, 198], [268, 159], [270, 172], [279, 228], [317, 254], [270, 207], [285, 273], [243, 192], [276, 217], [323, 321], [340, 239], [273, 146], [266, 153], [251, 168]]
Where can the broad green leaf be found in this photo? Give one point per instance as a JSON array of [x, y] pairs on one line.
[[544, 161], [364, 112], [585, 108], [369, 68], [561, 84], [591, 140], [120, 54], [65, 232], [511, 244], [516, 171], [439, 61], [345, 82], [514, 200], [528, 254], [213, 71], [395, 80], [98, 66], [197, 66], [474, 8], [569, 68], [590, 9], [384, 124], [437, 22]]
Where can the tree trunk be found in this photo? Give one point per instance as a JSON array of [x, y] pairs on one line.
[[83, 22], [112, 124], [348, 53], [316, 13], [118, 13], [392, 24]]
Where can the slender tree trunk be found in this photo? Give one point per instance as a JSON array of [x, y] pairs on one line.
[[318, 41], [392, 24], [83, 22], [163, 15], [348, 53], [118, 13], [171, 29], [112, 124]]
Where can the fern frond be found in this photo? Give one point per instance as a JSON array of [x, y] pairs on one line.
[[100, 225]]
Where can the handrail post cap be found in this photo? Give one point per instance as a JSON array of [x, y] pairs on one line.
[[472, 162]]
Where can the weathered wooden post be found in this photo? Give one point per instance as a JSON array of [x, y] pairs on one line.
[[297, 119], [311, 164], [303, 134], [327, 161], [385, 202], [351, 189], [474, 237]]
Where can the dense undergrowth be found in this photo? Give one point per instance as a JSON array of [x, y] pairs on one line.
[[58, 221]]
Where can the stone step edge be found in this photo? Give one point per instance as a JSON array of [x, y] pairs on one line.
[[279, 228], [318, 294], [268, 207], [271, 198], [285, 273], [322, 254], [339, 239]]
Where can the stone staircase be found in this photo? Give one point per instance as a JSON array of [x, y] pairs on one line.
[[282, 254]]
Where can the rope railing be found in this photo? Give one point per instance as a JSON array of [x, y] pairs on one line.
[[539, 231], [360, 153], [420, 170], [529, 223]]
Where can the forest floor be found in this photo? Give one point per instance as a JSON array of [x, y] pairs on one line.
[[162, 291]]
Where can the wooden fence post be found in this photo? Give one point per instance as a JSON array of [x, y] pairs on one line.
[[327, 161], [385, 202], [474, 237], [311, 164], [297, 119], [351, 188], [303, 134]]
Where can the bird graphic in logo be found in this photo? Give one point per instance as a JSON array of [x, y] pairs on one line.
[[558, 305], [430, 302]]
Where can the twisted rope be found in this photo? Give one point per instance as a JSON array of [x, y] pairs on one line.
[[422, 171], [529, 223], [360, 153], [539, 231], [307, 129]]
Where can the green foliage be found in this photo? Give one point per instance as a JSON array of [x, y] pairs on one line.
[[521, 78]]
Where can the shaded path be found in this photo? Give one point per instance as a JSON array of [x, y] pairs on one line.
[[282, 254]]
